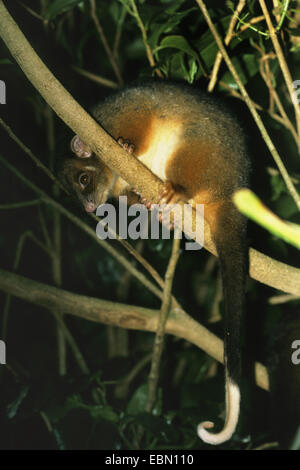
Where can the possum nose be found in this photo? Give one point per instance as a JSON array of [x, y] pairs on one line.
[[90, 207]]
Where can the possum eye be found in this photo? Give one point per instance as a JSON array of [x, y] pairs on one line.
[[84, 180]]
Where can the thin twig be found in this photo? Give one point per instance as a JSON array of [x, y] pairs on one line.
[[248, 25], [282, 299], [72, 343], [122, 294], [95, 78], [182, 363], [274, 116], [228, 37], [251, 106], [19, 250], [256, 19], [160, 332], [159, 335], [202, 287], [136, 15], [283, 14], [267, 76], [45, 231], [61, 334], [20, 205], [118, 35], [106, 46], [46, 421], [276, 10], [267, 445], [38, 163], [139, 258], [32, 12], [123, 385], [282, 62]]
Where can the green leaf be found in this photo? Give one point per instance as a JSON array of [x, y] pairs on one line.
[[278, 186], [59, 439], [118, 13], [294, 31], [104, 412], [246, 66], [96, 411], [206, 44], [61, 6], [177, 42], [138, 401], [165, 25], [193, 69], [6, 62], [13, 408], [286, 207], [158, 426], [173, 5]]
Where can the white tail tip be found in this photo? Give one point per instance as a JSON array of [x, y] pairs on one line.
[[232, 416]]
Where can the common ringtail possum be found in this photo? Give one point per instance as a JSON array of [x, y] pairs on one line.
[[196, 146]]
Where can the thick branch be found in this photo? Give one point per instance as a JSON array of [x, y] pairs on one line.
[[281, 276], [112, 313]]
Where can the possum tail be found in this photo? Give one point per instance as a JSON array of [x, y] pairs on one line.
[[230, 240]]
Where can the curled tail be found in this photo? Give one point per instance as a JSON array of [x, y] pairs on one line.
[[230, 239], [232, 416]]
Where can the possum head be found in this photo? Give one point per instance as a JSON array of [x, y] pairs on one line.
[[86, 176]]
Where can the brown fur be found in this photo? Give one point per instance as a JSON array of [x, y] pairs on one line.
[[197, 146]]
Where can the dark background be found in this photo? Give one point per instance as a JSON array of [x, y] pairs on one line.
[[39, 408]]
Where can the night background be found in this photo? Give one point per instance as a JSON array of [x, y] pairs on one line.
[[93, 395]]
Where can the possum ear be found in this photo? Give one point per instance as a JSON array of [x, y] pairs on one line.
[[80, 149]]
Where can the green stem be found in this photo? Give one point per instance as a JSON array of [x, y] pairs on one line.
[[250, 205]]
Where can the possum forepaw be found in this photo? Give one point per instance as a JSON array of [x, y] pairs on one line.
[[169, 195], [126, 144], [143, 200]]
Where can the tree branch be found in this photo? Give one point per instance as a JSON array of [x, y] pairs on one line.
[[125, 316]]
